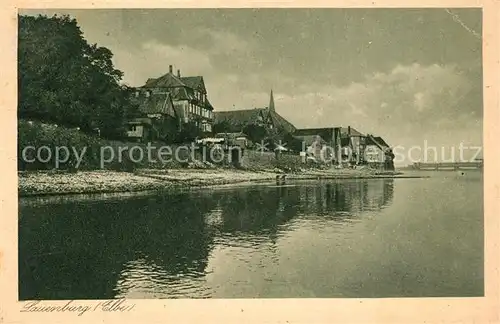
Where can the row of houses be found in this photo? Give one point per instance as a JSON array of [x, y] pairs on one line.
[[170, 103], [348, 145]]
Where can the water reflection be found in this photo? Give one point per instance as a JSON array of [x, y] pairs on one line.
[[160, 246], [349, 196]]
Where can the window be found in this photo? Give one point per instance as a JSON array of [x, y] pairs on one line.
[[206, 127]]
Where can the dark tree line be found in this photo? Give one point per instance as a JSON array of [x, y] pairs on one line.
[[63, 79]]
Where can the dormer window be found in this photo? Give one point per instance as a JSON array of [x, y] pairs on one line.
[[137, 94], [148, 93]]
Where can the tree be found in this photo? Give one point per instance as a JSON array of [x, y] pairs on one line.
[[222, 127], [293, 143], [130, 104], [189, 132], [62, 79], [255, 133]]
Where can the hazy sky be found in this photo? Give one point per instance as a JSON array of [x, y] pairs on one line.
[[408, 75]]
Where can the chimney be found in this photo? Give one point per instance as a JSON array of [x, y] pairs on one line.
[[170, 67], [179, 73], [349, 130]]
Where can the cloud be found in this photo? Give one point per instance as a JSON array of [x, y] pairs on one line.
[[225, 42], [406, 105], [189, 59], [207, 50], [152, 59], [407, 93]]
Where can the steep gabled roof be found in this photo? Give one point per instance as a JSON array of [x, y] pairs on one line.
[[238, 117], [381, 140], [354, 132], [378, 141], [168, 80], [208, 105], [195, 82], [157, 104], [182, 93], [278, 120], [310, 131], [248, 116], [308, 140], [325, 133]]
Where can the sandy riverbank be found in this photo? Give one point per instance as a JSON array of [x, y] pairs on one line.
[[104, 181]]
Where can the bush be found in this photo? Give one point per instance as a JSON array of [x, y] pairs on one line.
[[188, 133], [37, 135]]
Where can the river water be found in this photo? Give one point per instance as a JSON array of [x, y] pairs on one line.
[[345, 238]]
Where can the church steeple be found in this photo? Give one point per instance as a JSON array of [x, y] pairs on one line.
[[271, 102]]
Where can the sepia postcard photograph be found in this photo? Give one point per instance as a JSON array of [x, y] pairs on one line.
[[257, 153]]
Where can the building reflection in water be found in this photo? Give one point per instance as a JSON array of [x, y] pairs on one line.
[[347, 197], [160, 246]]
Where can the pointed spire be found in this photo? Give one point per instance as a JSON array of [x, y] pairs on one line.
[[271, 102]]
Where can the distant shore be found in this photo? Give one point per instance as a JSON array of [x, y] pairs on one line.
[[44, 183]]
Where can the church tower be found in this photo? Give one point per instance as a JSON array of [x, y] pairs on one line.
[[271, 102]]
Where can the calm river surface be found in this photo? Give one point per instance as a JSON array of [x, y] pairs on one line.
[[346, 238]]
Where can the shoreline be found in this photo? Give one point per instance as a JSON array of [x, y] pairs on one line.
[[44, 184]]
